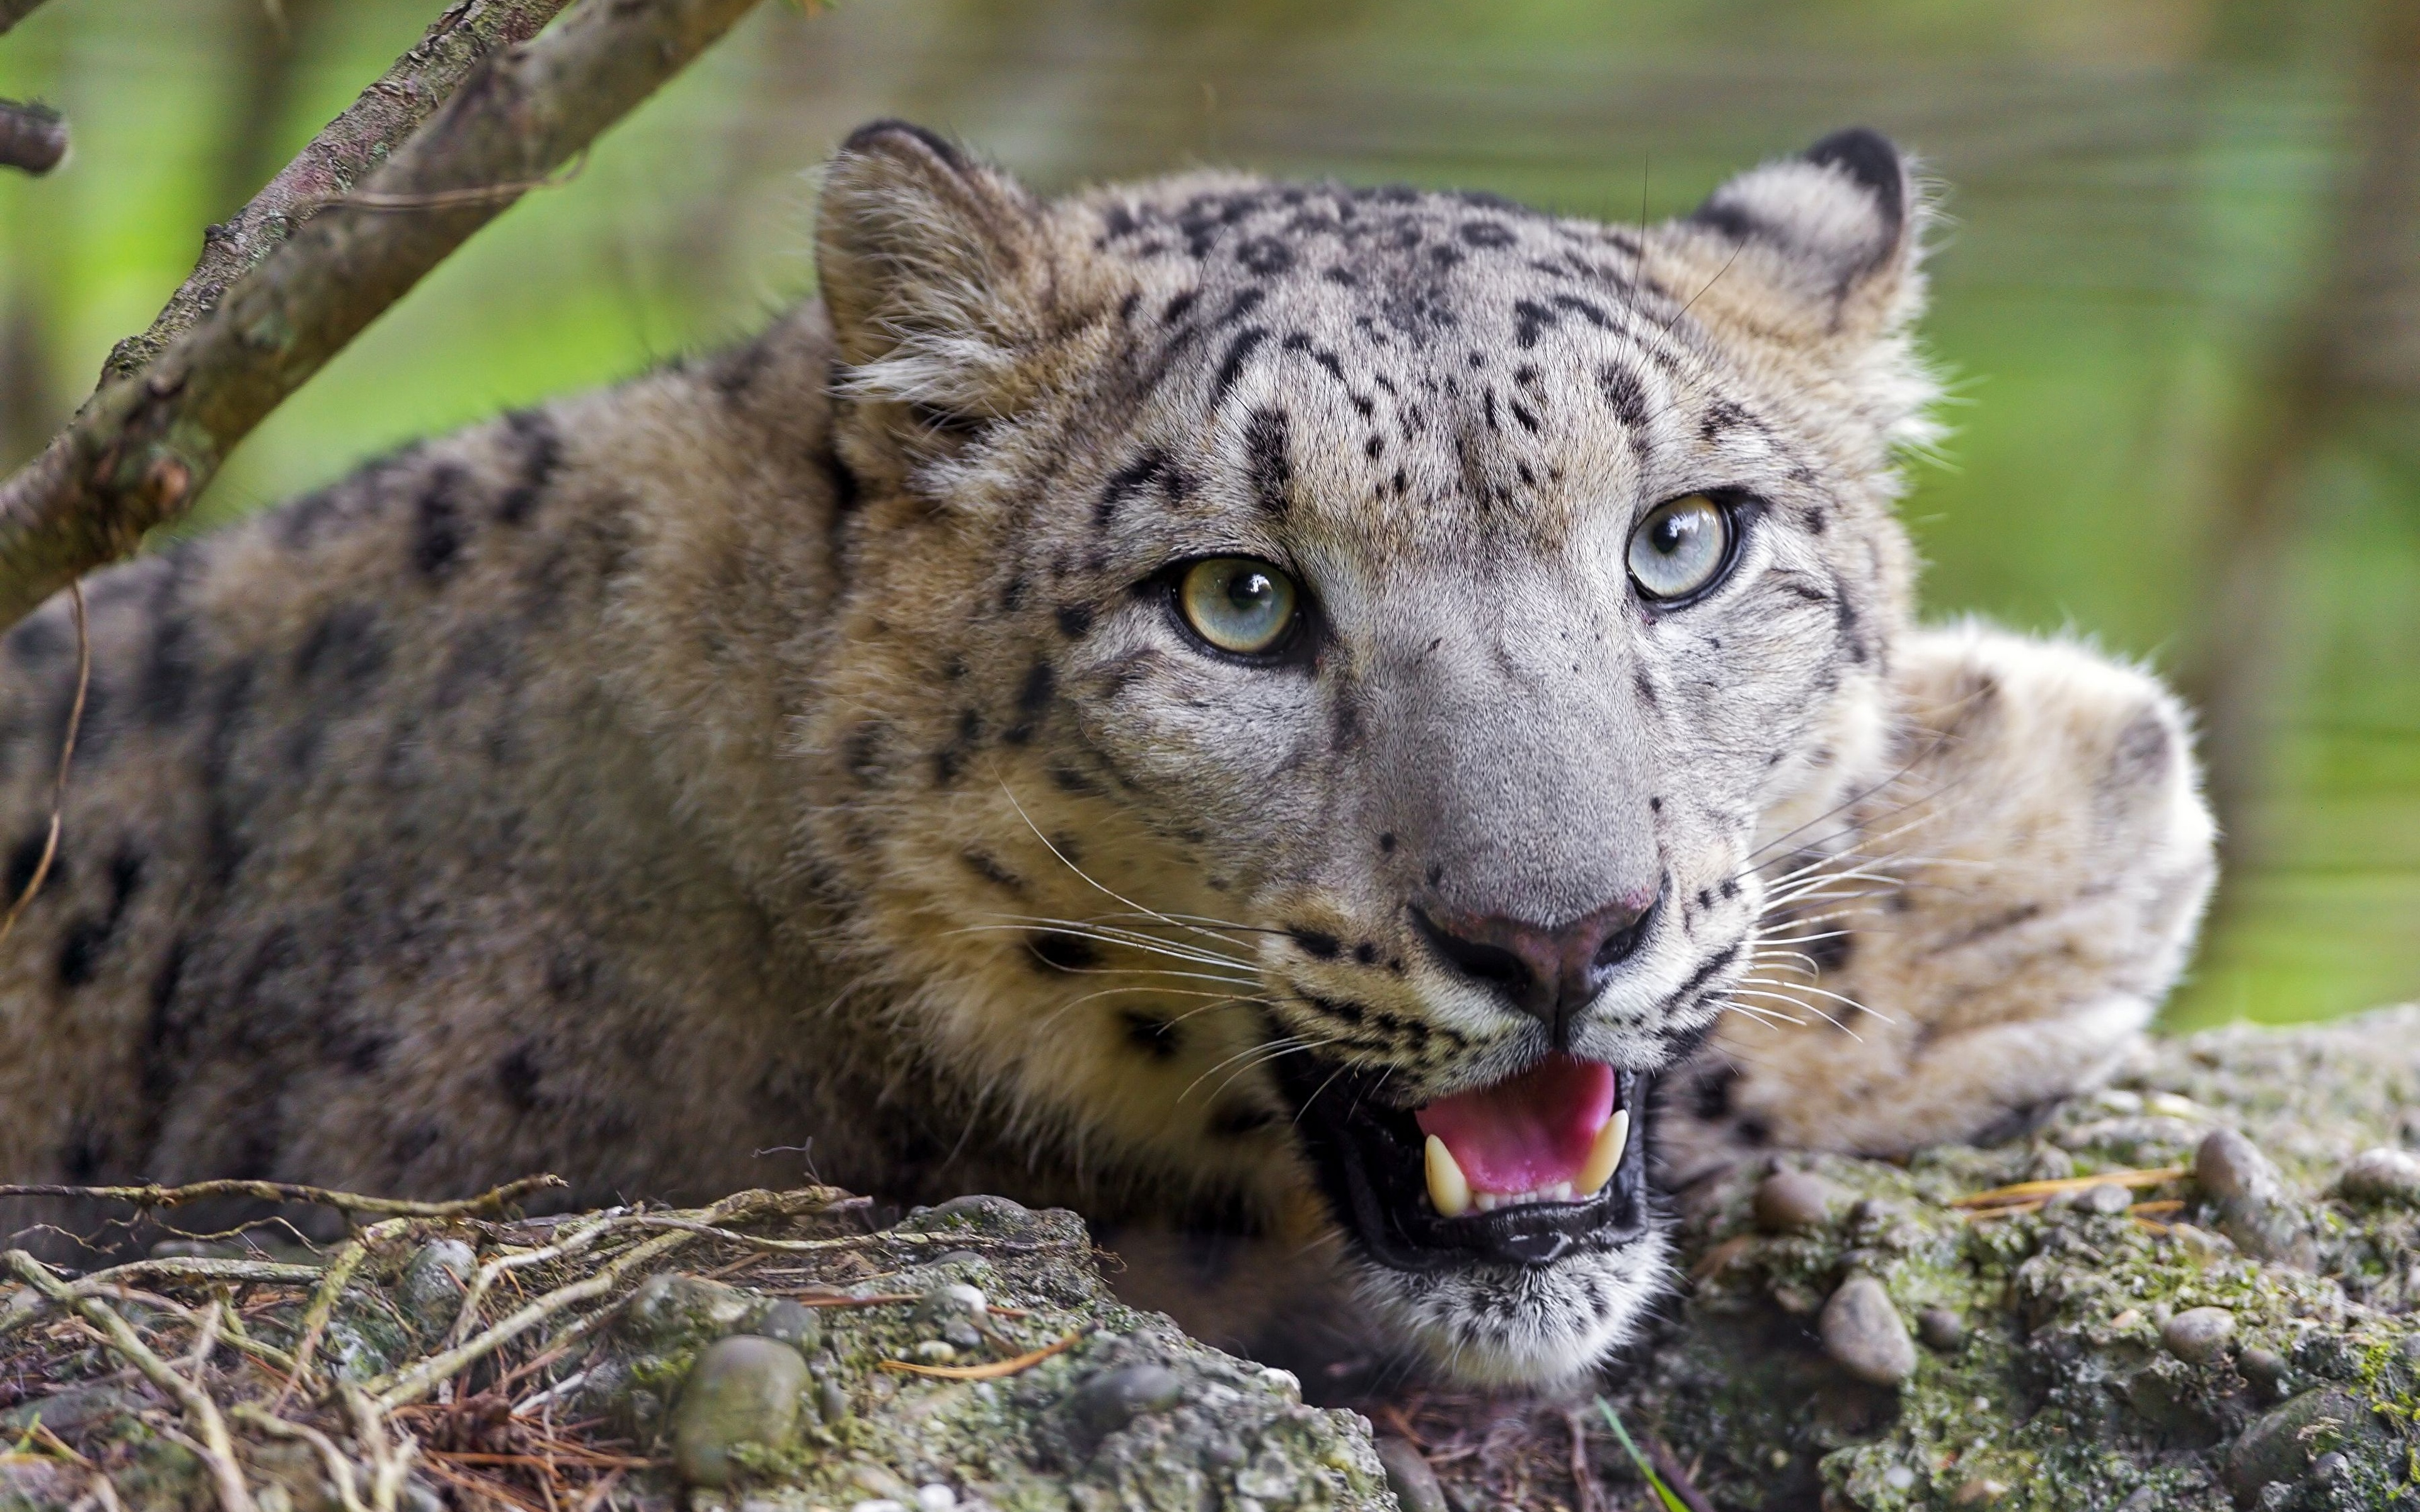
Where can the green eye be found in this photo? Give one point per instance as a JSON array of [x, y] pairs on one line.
[[1680, 547], [1238, 605]]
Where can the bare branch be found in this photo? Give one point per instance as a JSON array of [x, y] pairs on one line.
[[409, 1385], [32, 137], [144, 447], [13, 11], [178, 1197], [218, 1450], [345, 150]]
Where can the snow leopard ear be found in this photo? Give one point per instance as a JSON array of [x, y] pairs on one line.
[[934, 268], [1836, 231]]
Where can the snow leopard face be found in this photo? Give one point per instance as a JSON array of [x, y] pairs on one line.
[[1321, 664]]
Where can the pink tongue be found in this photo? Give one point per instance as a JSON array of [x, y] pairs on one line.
[[1530, 1132]]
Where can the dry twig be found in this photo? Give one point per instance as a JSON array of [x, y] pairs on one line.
[[339, 1468], [202, 1414], [991, 1371], [2035, 1191], [177, 1196], [323, 1299], [394, 1390]]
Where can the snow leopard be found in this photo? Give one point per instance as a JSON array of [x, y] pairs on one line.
[[1358, 737]]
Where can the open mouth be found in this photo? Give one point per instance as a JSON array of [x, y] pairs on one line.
[[1522, 1171]]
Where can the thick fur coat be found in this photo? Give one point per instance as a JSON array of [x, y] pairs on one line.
[[804, 749]]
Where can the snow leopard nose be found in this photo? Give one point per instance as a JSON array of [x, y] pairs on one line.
[[1547, 972]]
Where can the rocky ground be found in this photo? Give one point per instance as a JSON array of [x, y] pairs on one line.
[[2197, 1289]]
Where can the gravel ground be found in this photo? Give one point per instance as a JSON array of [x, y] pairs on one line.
[[2195, 1289]]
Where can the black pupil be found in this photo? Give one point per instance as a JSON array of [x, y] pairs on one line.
[[1250, 590], [1674, 530]]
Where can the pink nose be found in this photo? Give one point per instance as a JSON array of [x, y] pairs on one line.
[[1549, 973]]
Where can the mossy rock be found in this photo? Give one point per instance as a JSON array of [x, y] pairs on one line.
[[2066, 1380], [2090, 1355]]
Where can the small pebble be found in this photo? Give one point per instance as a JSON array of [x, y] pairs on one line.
[[934, 1351], [1791, 1200], [2050, 1164], [2198, 1336], [1113, 1398], [936, 1498], [952, 1299], [832, 1401], [961, 1334], [2383, 1175], [1940, 1330], [2107, 1199], [1980, 1491], [982, 1212], [795, 1326], [2329, 1466], [742, 1390], [2265, 1369], [2254, 1208], [2231, 1168], [1408, 1473], [1863, 1331], [2200, 1243]]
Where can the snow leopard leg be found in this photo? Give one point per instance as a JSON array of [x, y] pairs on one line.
[[1983, 933]]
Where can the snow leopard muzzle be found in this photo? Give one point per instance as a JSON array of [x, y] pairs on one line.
[[1529, 1170]]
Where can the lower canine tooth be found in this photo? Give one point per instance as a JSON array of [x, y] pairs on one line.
[[1449, 1189], [1603, 1156]]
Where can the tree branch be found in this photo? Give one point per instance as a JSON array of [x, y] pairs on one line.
[[32, 137], [13, 11], [145, 446], [489, 1201], [346, 149]]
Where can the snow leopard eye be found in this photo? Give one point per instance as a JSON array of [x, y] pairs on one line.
[[1242, 605], [1681, 547]]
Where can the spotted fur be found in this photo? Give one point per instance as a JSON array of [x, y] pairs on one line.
[[796, 749]]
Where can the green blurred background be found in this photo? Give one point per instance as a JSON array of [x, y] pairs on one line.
[[2178, 294]]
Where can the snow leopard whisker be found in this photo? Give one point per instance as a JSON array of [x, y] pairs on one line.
[[1821, 992], [1099, 922], [1806, 1007], [1127, 939], [1255, 1055], [1805, 961], [1207, 921], [1088, 878], [1828, 886], [1315, 1091], [1860, 795], [1762, 1015]]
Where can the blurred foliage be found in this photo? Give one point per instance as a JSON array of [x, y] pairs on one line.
[[2145, 196]]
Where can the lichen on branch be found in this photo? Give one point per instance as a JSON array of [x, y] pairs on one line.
[[146, 444], [347, 150]]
